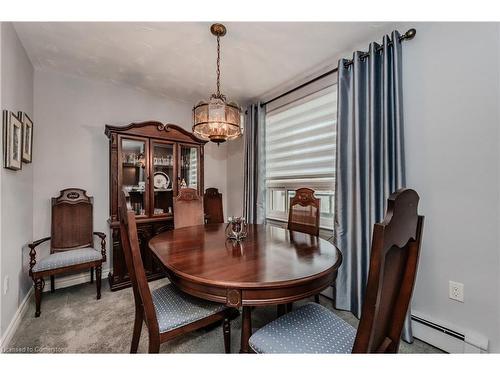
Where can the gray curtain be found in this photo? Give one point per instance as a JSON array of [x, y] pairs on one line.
[[254, 205], [370, 161]]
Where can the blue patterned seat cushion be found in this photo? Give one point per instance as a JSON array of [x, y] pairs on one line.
[[311, 328], [67, 258], [176, 309]]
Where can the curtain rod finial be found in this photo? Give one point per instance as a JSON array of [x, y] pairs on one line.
[[410, 34]]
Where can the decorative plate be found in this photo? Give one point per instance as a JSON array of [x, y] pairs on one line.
[[161, 180]]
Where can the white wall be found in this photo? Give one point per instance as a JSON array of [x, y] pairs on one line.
[[235, 173], [1, 237], [71, 149], [451, 98], [16, 186]]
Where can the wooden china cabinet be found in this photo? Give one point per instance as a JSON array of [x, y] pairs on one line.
[[152, 161]]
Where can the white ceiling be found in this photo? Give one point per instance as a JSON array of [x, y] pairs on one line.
[[177, 59]]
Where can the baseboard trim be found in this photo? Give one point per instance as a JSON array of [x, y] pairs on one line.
[[16, 320]]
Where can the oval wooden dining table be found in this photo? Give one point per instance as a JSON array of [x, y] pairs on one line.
[[271, 266]]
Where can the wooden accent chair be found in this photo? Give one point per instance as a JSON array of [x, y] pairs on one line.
[[166, 311], [188, 208], [393, 267], [71, 243], [303, 215], [212, 203]]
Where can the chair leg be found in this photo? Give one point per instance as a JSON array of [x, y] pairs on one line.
[[91, 275], [139, 311], [316, 298], [246, 329], [98, 271], [39, 283], [334, 295], [280, 310], [154, 344], [226, 330], [52, 284]]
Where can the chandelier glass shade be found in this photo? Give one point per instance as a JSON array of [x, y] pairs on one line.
[[217, 120]]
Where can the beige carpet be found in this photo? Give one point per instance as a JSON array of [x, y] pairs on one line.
[[73, 321]]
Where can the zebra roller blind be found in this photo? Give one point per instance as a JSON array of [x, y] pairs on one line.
[[300, 142]]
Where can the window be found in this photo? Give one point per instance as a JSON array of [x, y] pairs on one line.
[[300, 152]]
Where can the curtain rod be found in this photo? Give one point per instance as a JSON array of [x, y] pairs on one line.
[[410, 34]]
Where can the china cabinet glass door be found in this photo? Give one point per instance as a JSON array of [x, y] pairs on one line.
[[163, 162], [189, 162], [133, 160]]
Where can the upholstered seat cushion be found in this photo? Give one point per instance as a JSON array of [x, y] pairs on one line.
[[175, 309], [311, 328], [67, 258]]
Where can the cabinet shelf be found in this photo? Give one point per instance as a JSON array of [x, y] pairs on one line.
[[132, 165]]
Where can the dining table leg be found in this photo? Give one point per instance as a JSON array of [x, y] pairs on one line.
[[246, 329]]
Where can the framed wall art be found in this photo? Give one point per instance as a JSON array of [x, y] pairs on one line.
[[12, 140], [27, 147]]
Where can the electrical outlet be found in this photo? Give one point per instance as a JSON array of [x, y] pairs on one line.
[[5, 284], [456, 291]]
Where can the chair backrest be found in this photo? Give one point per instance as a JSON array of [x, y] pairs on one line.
[[303, 215], [72, 221], [212, 203], [188, 208], [393, 267], [133, 259]]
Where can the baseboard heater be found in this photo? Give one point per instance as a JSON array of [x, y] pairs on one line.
[[448, 339], [445, 330]]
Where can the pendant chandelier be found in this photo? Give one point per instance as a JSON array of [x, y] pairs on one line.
[[217, 120]]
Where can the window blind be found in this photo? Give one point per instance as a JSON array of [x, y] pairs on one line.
[[300, 142]]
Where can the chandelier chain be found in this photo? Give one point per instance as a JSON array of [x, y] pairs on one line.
[[215, 119], [218, 66]]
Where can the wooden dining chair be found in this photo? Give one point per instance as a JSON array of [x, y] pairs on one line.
[[395, 249], [188, 208], [212, 204], [71, 243], [166, 311], [303, 216], [303, 213]]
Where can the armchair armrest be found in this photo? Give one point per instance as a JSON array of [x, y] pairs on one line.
[[102, 236], [38, 242], [32, 247]]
